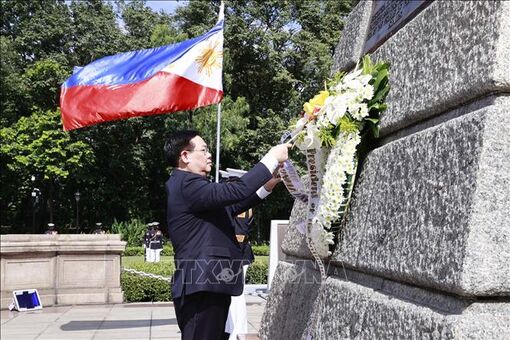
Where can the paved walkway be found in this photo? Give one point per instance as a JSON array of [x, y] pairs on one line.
[[121, 321]]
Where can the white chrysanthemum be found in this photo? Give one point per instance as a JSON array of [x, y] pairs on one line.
[[340, 164], [365, 79], [354, 85], [367, 92], [359, 111], [351, 97], [350, 76], [321, 240]]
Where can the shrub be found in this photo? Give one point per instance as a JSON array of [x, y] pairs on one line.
[[139, 251], [257, 273], [133, 251], [168, 250], [260, 249], [132, 232], [144, 289], [139, 288]]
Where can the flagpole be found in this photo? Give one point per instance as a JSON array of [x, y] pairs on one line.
[[218, 129], [218, 115]]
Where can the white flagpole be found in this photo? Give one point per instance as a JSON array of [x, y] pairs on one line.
[[218, 129], [218, 115]]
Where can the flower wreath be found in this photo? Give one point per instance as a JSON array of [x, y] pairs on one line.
[[335, 123]]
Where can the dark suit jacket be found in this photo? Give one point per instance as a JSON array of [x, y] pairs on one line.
[[243, 226], [199, 216]]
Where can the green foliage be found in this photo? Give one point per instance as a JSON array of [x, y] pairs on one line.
[[138, 288], [260, 250], [168, 250], [131, 231], [37, 146], [276, 54], [257, 273], [134, 251], [165, 268], [96, 32], [376, 106], [42, 81], [163, 34], [327, 136]]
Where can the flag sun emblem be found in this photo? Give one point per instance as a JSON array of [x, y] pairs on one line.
[[209, 58]]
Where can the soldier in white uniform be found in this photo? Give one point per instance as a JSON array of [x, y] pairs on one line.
[[156, 243], [146, 242]]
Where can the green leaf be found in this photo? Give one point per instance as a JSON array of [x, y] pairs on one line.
[[380, 95], [382, 75], [367, 65]]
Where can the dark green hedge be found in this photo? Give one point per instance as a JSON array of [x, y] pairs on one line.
[[139, 251], [259, 250], [257, 273], [139, 288]]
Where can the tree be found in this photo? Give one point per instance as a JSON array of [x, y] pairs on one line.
[[276, 56], [41, 83], [95, 32], [36, 145], [140, 22]]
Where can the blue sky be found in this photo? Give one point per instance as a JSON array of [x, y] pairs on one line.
[[167, 6]]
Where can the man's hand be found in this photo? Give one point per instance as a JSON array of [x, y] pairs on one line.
[[273, 181], [280, 152]]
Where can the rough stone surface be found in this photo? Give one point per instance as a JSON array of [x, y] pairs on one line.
[[350, 48], [354, 310], [288, 307], [432, 208], [294, 243], [426, 250], [445, 57]]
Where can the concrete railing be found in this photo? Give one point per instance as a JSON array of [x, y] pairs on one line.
[[65, 269]]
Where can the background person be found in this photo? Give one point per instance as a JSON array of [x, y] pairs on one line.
[[156, 243], [149, 233], [99, 229], [51, 229], [237, 322]]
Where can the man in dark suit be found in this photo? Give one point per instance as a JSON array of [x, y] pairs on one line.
[[208, 259]]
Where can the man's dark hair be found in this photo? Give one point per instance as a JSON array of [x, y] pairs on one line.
[[177, 142]]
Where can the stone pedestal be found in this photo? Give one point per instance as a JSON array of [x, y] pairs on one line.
[[426, 249], [278, 231], [65, 269]]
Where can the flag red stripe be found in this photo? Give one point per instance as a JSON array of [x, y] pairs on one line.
[[163, 93]]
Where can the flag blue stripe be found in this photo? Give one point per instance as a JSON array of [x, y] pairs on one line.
[[134, 66]]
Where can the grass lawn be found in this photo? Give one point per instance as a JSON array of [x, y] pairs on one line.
[[130, 261]]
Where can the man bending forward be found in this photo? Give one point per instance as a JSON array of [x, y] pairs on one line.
[[208, 260]]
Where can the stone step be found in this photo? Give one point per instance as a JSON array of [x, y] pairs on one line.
[[366, 307]]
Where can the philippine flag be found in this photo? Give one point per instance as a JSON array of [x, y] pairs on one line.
[[166, 79]]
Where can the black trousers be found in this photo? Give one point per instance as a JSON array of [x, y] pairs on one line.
[[202, 315]]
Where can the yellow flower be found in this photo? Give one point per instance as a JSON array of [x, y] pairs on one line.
[[313, 106]]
